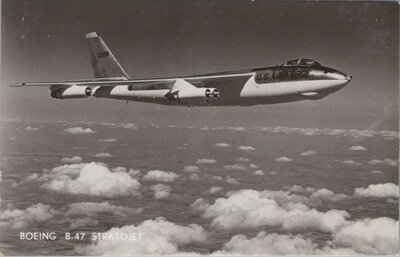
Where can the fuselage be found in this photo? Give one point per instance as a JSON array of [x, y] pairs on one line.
[[300, 79]]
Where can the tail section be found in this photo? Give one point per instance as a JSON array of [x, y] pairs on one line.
[[103, 61]]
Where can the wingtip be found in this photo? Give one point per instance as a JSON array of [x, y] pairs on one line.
[[92, 35], [18, 85]]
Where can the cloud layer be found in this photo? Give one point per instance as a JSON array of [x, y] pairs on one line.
[[159, 237]]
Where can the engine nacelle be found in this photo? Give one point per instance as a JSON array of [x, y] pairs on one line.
[[199, 93], [70, 92]]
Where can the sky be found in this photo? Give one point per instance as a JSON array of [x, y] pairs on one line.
[[45, 41]]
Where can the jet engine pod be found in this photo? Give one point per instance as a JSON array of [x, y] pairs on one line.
[[198, 93], [212, 93], [70, 92]]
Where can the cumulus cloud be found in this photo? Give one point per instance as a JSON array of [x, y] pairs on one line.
[[103, 155], [222, 145], [253, 166], [160, 175], [259, 172], [235, 167], [82, 222], [91, 179], [246, 148], [357, 148], [158, 237], [29, 128], [328, 195], [206, 161], [131, 126], [351, 162], [134, 173], [92, 209], [215, 189], [231, 181], [283, 159], [379, 236], [251, 209], [74, 159], [191, 168], [35, 215], [388, 162], [278, 244], [242, 159], [300, 189], [308, 153], [79, 131], [161, 191], [109, 140], [194, 177], [378, 190], [217, 177]]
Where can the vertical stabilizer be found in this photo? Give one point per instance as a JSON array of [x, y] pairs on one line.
[[103, 61]]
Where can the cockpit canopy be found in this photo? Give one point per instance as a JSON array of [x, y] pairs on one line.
[[302, 62]]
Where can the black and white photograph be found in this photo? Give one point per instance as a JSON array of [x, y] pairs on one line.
[[199, 128]]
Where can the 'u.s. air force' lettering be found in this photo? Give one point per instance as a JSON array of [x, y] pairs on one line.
[[103, 54], [281, 75]]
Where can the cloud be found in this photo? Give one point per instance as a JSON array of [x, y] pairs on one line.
[[308, 153], [253, 166], [134, 173], [217, 177], [194, 177], [79, 131], [131, 126], [278, 244], [388, 162], [357, 148], [376, 172], [215, 189], [300, 189], [246, 148], [328, 195], [231, 181], [283, 159], [74, 159], [109, 140], [158, 237], [271, 244], [351, 162], [161, 191], [235, 167], [379, 236], [245, 209], [35, 215], [90, 179], [92, 209], [222, 145], [160, 175], [259, 172], [378, 190], [29, 128], [206, 161], [82, 222], [103, 155], [241, 159], [191, 168]]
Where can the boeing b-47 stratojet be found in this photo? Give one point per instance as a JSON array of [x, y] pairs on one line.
[[295, 80]]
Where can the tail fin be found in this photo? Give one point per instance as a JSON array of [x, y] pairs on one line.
[[103, 61]]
